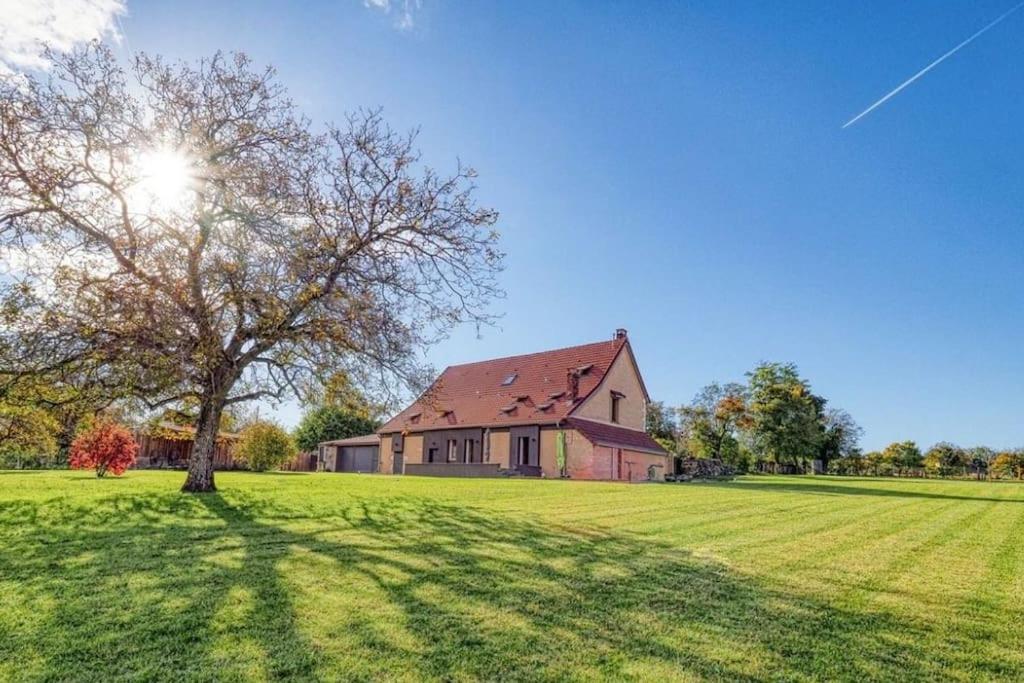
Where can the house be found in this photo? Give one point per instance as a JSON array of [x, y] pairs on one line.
[[576, 412], [169, 445], [355, 454]]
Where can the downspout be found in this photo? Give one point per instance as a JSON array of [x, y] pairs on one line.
[[560, 449]]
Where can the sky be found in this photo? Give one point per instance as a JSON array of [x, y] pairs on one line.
[[681, 170]]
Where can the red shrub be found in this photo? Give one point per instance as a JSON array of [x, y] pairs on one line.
[[106, 447]]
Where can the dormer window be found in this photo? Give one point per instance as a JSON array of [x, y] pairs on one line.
[[510, 379]]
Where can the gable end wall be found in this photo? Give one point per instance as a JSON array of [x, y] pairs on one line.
[[623, 376]]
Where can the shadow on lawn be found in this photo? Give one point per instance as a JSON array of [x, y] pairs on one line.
[[178, 587], [813, 487]]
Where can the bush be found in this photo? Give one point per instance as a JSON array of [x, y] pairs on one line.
[[265, 446], [104, 446]]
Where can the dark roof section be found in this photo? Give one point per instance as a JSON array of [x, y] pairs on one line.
[[366, 440], [478, 398], [604, 434]]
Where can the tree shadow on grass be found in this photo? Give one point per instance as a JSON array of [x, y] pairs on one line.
[[809, 486], [206, 587]]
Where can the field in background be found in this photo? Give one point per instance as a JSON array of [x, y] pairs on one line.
[[367, 577]]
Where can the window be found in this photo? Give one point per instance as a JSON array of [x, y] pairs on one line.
[[508, 380], [432, 454], [616, 397], [453, 450], [468, 450], [523, 450]]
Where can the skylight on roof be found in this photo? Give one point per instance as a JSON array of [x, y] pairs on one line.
[[508, 380]]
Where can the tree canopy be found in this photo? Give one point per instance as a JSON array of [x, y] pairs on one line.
[[785, 416], [326, 423], [181, 231]]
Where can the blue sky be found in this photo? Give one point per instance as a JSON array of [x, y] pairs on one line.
[[680, 170]]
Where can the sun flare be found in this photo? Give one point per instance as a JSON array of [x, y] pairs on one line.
[[166, 179]]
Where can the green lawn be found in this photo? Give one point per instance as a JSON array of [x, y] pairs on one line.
[[307, 576]]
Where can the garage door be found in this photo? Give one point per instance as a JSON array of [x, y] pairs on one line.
[[358, 459]]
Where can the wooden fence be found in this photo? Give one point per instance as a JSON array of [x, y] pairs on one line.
[[156, 452], [303, 462]]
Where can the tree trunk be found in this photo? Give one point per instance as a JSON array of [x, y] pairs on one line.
[[200, 464]]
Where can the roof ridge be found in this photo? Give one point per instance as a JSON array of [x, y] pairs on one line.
[[535, 353]]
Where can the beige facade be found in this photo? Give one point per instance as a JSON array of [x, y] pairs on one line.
[[622, 377], [413, 450], [500, 450], [584, 460], [548, 462], [387, 455]]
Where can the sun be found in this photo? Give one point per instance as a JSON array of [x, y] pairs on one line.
[[166, 179]]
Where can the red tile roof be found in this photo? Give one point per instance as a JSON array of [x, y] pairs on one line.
[[476, 396], [605, 434]]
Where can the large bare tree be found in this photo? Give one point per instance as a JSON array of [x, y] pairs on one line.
[[180, 231]]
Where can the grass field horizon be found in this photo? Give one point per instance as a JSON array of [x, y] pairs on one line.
[[307, 576]]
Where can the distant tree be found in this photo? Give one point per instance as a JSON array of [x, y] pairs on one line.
[[28, 436], [840, 436], [902, 456], [876, 463], [1008, 464], [710, 425], [184, 231], [104, 446], [980, 454], [327, 423], [945, 459], [785, 422], [978, 459], [264, 445], [662, 426]]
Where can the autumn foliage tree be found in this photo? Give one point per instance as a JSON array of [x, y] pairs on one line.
[[1009, 464], [945, 459], [710, 426], [182, 232], [104, 446]]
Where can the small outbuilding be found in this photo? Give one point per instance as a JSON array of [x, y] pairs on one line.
[[355, 454]]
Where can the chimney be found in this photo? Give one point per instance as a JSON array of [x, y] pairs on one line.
[[620, 333], [572, 384]]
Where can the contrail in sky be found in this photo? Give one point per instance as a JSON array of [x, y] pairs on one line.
[[931, 66]]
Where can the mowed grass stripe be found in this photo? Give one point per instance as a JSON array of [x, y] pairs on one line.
[[301, 577]]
